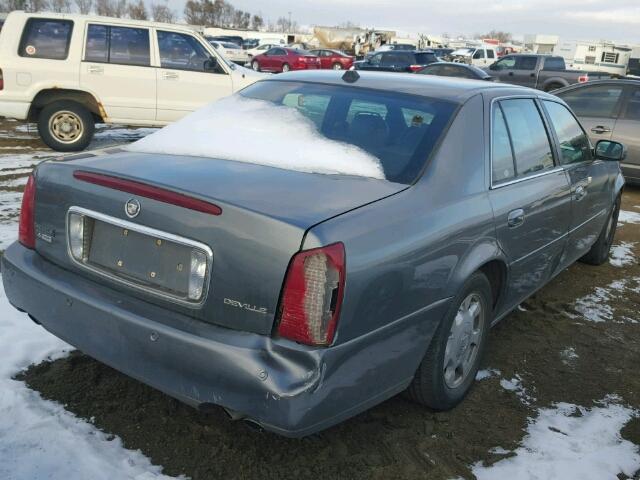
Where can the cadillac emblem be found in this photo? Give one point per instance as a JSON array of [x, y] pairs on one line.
[[132, 208]]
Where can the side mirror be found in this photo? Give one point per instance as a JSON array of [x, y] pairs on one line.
[[611, 151], [493, 66], [211, 65]]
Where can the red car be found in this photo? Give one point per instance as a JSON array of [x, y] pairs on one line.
[[333, 59], [280, 59]]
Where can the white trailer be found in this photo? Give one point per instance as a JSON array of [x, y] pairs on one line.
[[599, 56]]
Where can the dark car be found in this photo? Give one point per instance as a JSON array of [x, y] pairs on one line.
[[333, 59], [397, 61], [281, 59], [610, 110], [458, 70], [297, 297]]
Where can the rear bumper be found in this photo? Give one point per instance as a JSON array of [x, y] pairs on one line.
[[13, 109], [282, 386]]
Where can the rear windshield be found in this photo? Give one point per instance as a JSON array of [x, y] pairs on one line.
[[399, 130], [424, 58]]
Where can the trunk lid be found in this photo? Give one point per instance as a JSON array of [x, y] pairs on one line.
[[265, 214]]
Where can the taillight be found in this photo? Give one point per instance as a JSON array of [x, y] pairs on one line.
[[1, 80], [312, 295], [26, 229], [415, 68], [583, 78]]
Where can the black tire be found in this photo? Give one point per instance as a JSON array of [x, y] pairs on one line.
[[429, 386], [599, 252], [286, 68], [52, 120], [255, 65]]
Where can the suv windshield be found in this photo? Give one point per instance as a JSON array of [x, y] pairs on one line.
[[399, 130]]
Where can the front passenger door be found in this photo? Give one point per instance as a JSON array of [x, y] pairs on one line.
[[185, 83]]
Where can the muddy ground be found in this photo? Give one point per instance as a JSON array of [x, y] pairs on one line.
[[549, 346]]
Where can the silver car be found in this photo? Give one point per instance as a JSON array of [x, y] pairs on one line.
[[610, 110], [295, 300]]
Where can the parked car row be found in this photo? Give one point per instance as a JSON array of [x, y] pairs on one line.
[[284, 59]]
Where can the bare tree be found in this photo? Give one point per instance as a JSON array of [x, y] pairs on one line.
[[160, 12], [84, 6], [138, 10], [105, 8], [257, 22], [10, 5], [37, 5], [60, 6], [502, 37]]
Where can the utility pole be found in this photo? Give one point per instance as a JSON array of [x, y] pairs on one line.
[[289, 22]]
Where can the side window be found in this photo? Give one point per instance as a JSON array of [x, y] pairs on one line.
[[526, 63], [531, 146], [279, 51], [594, 101], [479, 54], [502, 165], [376, 59], [491, 53], [312, 106], [46, 38], [632, 111], [554, 63], [507, 63], [574, 143], [119, 45], [389, 59], [181, 51]]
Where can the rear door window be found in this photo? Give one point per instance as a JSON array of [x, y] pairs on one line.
[[46, 38], [502, 165], [424, 58], [529, 139], [594, 101], [574, 143], [632, 110], [118, 45], [526, 63], [554, 63]]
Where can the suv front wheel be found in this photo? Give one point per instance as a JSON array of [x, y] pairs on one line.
[[66, 126]]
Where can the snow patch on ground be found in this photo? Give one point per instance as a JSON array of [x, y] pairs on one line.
[[255, 131], [487, 373], [515, 385], [39, 439], [622, 255], [596, 307], [569, 356], [628, 217], [569, 442]]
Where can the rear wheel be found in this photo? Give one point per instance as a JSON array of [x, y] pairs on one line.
[[285, 68], [337, 66], [66, 126], [552, 86], [449, 367], [255, 65], [599, 252]]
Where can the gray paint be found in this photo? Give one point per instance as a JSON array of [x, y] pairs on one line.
[[408, 251]]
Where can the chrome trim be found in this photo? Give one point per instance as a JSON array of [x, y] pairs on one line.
[[135, 227], [518, 180]]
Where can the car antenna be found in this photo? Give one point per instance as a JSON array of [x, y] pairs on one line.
[[350, 76]]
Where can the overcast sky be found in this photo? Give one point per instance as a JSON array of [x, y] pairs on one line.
[[617, 20]]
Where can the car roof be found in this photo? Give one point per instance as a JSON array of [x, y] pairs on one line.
[[445, 88], [461, 65]]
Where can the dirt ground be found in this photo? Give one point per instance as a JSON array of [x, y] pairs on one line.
[[548, 345]]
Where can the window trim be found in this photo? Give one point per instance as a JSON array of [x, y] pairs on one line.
[[109, 26], [550, 137], [25, 29]]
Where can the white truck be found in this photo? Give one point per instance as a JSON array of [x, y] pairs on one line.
[[69, 72]]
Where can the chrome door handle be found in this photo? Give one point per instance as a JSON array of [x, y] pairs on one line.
[[95, 69], [580, 192], [515, 218], [601, 129], [170, 76]]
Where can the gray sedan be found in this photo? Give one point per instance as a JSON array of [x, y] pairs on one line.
[[295, 300], [610, 110]]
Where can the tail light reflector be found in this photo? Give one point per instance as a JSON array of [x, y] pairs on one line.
[[415, 68], [312, 295], [583, 78], [1, 80], [148, 191], [26, 228]]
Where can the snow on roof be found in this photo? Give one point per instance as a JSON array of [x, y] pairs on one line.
[[260, 132]]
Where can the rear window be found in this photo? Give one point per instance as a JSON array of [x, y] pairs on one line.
[[424, 58], [46, 38], [399, 130]]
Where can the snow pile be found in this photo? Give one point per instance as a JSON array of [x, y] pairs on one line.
[[255, 131], [569, 442], [594, 307], [39, 439], [628, 217], [622, 255]]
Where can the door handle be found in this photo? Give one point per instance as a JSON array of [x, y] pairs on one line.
[[511, 74], [601, 129], [580, 192], [95, 69], [515, 218], [170, 76], [532, 75]]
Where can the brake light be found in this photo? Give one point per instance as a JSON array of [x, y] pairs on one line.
[[415, 68], [148, 191], [1, 80], [312, 295], [583, 78], [26, 228]]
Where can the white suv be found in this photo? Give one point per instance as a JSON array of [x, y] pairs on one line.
[[68, 72]]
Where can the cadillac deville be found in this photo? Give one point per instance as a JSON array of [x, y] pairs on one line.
[[296, 297]]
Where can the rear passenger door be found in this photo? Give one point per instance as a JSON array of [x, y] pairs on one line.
[[627, 131], [525, 71], [117, 69], [591, 180], [530, 195]]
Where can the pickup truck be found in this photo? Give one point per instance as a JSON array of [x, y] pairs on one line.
[[544, 72]]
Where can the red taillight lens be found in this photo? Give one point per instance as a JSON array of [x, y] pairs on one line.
[[583, 78], [148, 191], [26, 229], [415, 68], [312, 295], [1, 80]]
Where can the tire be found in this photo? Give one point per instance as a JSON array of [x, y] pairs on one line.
[[255, 65], [285, 68], [66, 126], [552, 86], [599, 252], [431, 386], [337, 66]]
